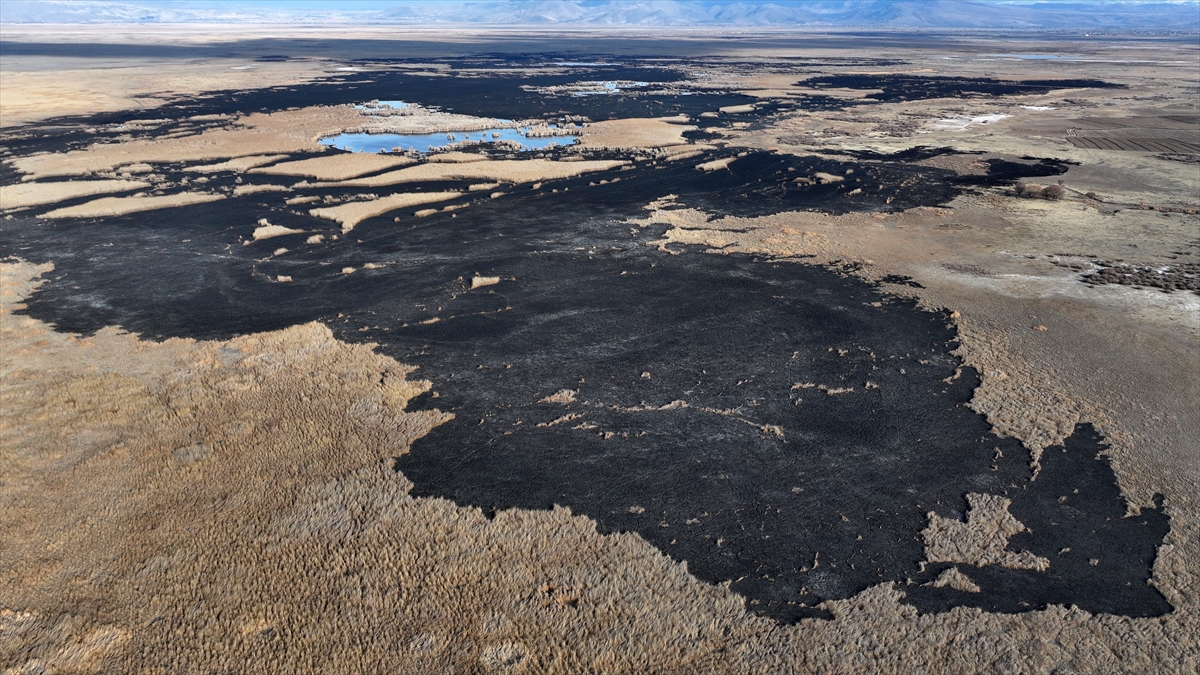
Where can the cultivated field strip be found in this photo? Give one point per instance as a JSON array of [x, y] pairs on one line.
[[1156, 144]]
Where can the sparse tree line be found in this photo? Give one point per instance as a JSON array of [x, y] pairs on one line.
[[1032, 191], [1059, 191]]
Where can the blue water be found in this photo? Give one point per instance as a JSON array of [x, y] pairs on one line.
[[384, 104], [1036, 57], [427, 142], [609, 88]]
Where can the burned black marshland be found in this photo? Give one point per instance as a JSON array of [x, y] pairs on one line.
[[784, 426]]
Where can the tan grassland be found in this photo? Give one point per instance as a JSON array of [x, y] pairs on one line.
[[35, 194], [252, 135], [503, 170], [680, 152], [266, 230], [237, 164], [228, 546], [634, 133], [722, 163], [117, 206], [254, 189], [457, 157], [84, 87], [353, 213], [956, 580], [982, 540], [420, 120], [338, 166], [256, 134]]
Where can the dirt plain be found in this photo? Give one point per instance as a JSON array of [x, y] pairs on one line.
[[231, 506]]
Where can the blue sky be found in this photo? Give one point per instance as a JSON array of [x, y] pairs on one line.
[[1057, 14]]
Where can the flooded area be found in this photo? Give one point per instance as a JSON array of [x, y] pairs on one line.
[[375, 105], [362, 142]]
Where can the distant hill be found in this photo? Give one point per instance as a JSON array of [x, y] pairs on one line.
[[1019, 14]]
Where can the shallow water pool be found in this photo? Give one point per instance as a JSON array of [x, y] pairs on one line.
[[361, 142]]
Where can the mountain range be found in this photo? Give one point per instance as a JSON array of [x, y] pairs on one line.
[[1181, 15]]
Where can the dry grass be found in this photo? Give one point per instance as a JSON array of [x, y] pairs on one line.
[[505, 170], [237, 164], [457, 157], [266, 230], [981, 540], [34, 194], [257, 134], [722, 163], [38, 87], [340, 166], [956, 580], [119, 206], [633, 133], [229, 506], [353, 213], [255, 189]]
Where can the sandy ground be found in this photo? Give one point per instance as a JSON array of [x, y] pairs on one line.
[[149, 560]]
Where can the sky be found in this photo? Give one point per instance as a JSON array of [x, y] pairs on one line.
[[1049, 14]]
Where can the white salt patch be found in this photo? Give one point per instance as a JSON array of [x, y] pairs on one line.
[[962, 122]]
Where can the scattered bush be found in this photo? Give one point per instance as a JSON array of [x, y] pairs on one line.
[[1053, 192]]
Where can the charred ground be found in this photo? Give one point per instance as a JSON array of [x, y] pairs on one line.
[[779, 426]]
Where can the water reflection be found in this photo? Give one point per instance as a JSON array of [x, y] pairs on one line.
[[361, 142]]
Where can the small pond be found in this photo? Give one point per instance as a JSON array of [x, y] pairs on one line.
[[361, 142]]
